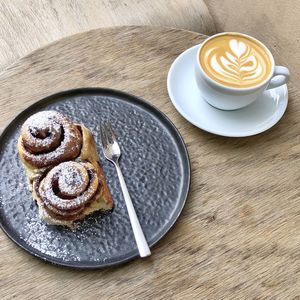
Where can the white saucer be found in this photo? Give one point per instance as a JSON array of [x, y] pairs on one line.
[[253, 119]]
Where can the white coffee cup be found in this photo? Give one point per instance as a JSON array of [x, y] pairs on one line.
[[230, 98]]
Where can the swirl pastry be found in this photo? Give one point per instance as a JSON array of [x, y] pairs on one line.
[[63, 168], [48, 138]]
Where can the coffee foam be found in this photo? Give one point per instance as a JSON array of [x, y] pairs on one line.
[[235, 60]]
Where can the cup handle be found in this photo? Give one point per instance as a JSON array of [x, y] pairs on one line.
[[281, 76]]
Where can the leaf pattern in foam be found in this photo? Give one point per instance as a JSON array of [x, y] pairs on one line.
[[239, 63]]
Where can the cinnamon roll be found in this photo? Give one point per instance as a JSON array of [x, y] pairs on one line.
[[48, 138], [63, 168], [70, 191]]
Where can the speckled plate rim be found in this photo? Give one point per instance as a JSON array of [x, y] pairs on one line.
[[130, 98]]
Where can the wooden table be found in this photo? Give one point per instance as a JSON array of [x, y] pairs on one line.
[[239, 233], [28, 25]]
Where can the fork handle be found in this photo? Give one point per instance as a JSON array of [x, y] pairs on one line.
[[135, 224]]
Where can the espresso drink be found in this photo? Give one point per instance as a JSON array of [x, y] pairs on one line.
[[235, 60]]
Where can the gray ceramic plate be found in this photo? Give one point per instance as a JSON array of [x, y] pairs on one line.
[[155, 164]]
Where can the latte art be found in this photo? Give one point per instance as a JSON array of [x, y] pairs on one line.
[[238, 64], [235, 60]]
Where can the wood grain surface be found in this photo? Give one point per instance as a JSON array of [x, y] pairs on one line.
[[239, 234], [29, 24]]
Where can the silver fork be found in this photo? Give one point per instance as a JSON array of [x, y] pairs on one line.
[[112, 153]]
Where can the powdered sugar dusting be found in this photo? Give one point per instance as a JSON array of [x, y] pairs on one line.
[[84, 191], [50, 137], [72, 180]]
